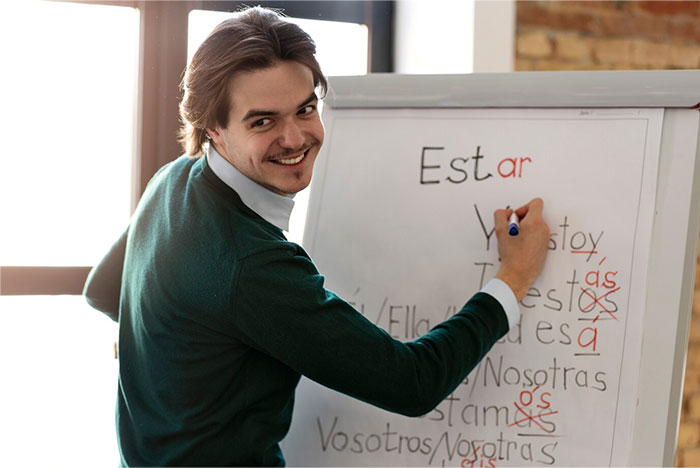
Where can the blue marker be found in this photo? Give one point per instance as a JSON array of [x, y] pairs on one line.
[[513, 225]]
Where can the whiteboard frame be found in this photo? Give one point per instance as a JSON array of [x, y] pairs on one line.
[[655, 88], [676, 222], [675, 225]]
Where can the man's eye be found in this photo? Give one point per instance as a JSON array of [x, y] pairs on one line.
[[261, 122], [306, 110]]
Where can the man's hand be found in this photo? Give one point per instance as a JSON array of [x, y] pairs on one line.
[[522, 256]]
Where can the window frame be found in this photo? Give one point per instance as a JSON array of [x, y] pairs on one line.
[[162, 60]]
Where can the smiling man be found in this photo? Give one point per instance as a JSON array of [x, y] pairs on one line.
[[219, 315]]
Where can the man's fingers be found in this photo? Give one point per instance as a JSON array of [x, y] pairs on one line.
[[535, 206], [500, 217]]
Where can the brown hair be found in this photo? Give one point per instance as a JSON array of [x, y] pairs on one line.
[[256, 38]]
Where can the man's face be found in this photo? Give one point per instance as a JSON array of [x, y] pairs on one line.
[[274, 131]]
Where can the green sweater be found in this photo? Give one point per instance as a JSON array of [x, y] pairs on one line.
[[219, 315]]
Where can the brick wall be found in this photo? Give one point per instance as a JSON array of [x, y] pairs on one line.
[[622, 35], [607, 35], [689, 434]]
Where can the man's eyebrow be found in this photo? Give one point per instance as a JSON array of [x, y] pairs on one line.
[[309, 99], [266, 113]]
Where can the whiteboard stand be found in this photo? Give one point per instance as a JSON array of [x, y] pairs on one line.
[[673, 253]]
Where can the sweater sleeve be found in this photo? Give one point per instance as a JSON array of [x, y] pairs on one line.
[[282, 308], [103, 285]]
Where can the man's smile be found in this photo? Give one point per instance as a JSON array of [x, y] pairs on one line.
[[291, 158], [291, 161]]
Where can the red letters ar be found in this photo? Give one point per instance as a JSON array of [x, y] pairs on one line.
[[512, 167]]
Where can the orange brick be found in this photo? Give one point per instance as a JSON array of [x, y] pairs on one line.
[[561, 65], [694, 335], [688, 434], [686, 56], [691, 382], [522, 64], [612, 51], [628, 66], [538, 14], [591, 5], [685, 408], [685, 30], [653, 54], [556, 65], [693, 360], [692, 409], [689, 457], [668, 8], [628, 25], [534, 44], [696, 300], [572, 47]]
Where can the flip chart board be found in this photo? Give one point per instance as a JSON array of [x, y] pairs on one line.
[[400, 223]]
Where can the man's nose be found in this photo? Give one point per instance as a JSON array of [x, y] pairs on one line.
[[292, 136]]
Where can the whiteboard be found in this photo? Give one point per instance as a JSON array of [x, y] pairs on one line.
[[400, 223]]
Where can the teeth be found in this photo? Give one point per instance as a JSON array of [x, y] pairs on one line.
[[291, 160]]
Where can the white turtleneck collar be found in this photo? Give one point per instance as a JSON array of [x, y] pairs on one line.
[[270, 206]]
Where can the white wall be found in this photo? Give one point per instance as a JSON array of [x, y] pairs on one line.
[[494, 36], [454, 36]]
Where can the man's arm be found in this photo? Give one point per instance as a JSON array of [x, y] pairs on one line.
[[282, 309], [103, 284]]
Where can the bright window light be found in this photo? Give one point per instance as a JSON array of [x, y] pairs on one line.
[[69, 87], [435, 37], [59, 383], [341, 48]]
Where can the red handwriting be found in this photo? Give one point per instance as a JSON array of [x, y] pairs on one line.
[[596, 301], [483, 461], [512, 167], [600, 279], [527, 398], [592, 338], [589, 252]]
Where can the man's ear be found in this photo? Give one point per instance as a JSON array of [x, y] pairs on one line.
[[216, 138], [214, 134]]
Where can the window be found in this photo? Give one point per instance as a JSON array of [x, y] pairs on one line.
[[69, 106], [93, 114], [70, 121], [65, 181]]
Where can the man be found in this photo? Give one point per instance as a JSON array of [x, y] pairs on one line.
[[219, 315]]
